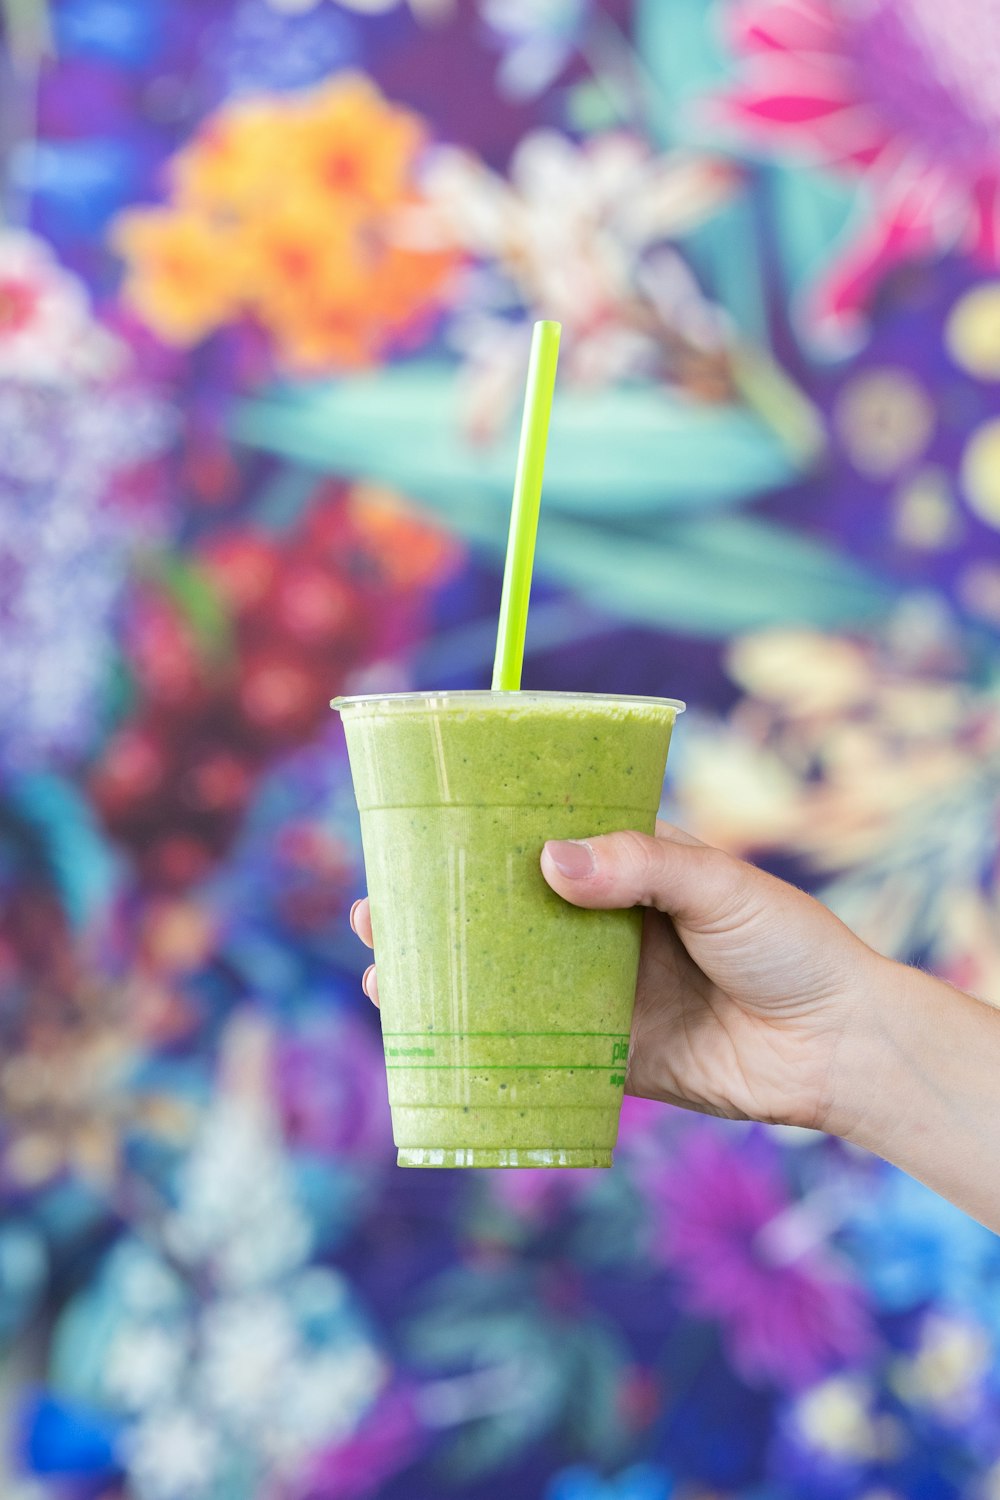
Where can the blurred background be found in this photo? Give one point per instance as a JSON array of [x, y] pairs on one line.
[[267, 273]]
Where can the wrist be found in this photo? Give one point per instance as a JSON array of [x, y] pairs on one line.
[[914, 1078], [915, 1082], [875, 1076]]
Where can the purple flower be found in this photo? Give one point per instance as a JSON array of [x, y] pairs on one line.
[[538, 1196], [62, 536], [787, 1315], [331, 1092]]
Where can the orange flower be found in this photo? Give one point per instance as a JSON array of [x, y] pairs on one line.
[[286, 211], [349, 319], [294, 252], [349, 144], [309, 289], [410, 551], [331, 334], [236, 161], [331, 295], [408, 282], [183, 277]]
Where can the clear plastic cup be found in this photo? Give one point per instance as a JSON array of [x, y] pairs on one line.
[[505, 1010]]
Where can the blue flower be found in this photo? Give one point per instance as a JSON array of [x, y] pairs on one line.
[[117, 30], [62, 1437], [262, 50], [914, 1247], [80, 184], [640, 1482]]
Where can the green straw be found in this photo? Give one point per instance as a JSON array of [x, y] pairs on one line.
[[524, 507]]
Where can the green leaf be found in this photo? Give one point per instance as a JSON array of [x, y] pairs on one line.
[[591, 106], [196, 599], [27, 30]]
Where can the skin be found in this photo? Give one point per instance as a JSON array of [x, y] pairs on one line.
[[755, 1002]]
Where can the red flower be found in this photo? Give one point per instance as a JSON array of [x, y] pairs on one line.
[[243, 565]]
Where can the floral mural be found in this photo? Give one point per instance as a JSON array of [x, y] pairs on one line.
[[267, 275]]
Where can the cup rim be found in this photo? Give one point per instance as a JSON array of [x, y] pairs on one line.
[[491, 695]]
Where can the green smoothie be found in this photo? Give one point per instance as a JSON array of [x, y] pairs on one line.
[[505, 1011]]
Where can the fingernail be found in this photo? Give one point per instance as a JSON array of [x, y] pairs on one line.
[[366, 980], [573, 858], [353, 910]]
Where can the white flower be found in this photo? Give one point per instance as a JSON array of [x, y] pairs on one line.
[[945, 1373], [836, 1418], [172, 1455], [578, 234], [237, 1208], [803, 670], [257, 1372], [249, 1351], [875, 763], [733, 791], [568, 225], [330, 1392], [47, 333], [144, 1365], [539, 37]]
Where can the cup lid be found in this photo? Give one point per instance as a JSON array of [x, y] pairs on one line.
[[520, 698]]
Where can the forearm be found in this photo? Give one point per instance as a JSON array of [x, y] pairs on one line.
[[919, 1084]]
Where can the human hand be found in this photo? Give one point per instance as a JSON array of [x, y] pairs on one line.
[[755, 1002], [746, 985]]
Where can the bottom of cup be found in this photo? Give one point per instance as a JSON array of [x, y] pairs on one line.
[[500, 1156]]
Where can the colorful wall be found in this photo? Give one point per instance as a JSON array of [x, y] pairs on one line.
[[267, 272]]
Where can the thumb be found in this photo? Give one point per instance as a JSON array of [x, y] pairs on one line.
[[698, 885]]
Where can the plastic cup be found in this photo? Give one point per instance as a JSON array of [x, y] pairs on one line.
[[505, 1010]]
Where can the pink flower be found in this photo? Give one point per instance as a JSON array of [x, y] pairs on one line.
[[389, 1439], [47, 333], [785, 1311], [902, 94]]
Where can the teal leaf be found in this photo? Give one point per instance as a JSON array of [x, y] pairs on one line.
[[24, 1267], [515, 1370], [637, 490], [710, 577], [72, 849], [595, 1355], [628, 450], [612, 1223]]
